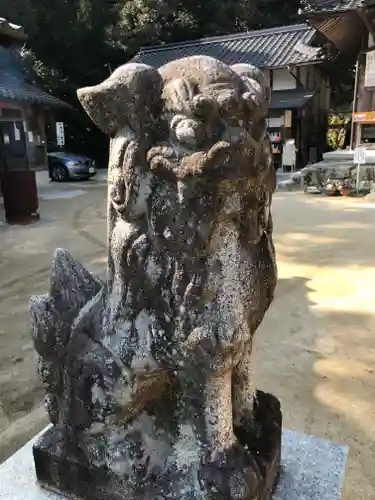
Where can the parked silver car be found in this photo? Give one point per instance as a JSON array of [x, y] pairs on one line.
[[63, 166]]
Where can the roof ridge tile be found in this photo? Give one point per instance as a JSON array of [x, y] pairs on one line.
[[270, 48]]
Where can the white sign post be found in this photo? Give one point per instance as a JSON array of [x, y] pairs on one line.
[[359, 159], [60, 134], [370, 69]]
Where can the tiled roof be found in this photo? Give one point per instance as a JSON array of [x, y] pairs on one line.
[[269, 48], [13, 85], [12, 89], [333, 5]]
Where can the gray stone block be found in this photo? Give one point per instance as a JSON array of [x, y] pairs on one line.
[[312, 469]]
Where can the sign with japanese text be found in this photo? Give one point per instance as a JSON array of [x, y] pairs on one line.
[[370, 69], [360, 155], [60, 134]]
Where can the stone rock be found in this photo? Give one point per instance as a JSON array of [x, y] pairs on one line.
[[148, 376], [290, 182], [53, 315], [311, 469]]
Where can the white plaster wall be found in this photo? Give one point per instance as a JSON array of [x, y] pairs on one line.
[[267, 74], [283, 80]]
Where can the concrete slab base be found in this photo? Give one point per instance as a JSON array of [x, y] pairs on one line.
[[312, 469]]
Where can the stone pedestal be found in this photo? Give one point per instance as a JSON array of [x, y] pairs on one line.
[[75, 475], [311, 469], [20, 195]]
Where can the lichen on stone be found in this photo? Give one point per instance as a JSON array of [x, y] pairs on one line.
[[148, 375]]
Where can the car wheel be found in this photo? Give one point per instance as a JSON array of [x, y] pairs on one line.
[[59, 173]]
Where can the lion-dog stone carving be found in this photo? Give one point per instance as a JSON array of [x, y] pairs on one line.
[[148, 376]]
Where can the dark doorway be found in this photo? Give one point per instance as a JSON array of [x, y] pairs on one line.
[[13, 146], [18, 183]]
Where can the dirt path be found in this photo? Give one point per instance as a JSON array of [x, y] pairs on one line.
[[315, 350]]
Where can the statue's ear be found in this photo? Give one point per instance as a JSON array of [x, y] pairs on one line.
[[250, 72], [100, 103], [131, 93]]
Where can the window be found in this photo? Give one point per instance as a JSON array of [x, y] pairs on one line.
[[283, 80], [368, 133]]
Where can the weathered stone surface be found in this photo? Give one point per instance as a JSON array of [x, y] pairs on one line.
[[53, 316], [311, 469], [148, 377]]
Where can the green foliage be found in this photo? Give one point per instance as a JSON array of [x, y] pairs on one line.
[[74, 43], [147, 22], [338, 130], [339, 119]]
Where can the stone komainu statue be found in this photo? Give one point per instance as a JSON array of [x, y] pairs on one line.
[[148, 376]]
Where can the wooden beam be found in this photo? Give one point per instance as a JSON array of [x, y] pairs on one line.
[[366, 21]]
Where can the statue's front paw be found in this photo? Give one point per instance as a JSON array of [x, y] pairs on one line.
[[259, 428], [232, 474]]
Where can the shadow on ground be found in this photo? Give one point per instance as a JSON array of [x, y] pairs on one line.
[[320, 363]]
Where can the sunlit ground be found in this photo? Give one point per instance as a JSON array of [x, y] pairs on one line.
[[316, 348]]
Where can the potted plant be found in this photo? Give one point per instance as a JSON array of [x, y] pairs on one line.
[[346, 188]]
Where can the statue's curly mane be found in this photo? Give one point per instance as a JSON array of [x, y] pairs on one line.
[[161, 352]]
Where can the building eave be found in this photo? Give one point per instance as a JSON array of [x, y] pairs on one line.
[[271, 48], [11, 30], [24, 93], [329, 7]]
